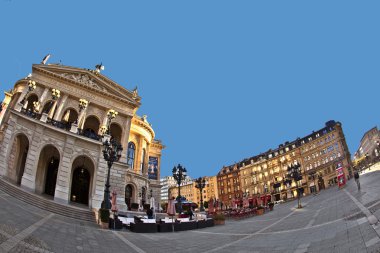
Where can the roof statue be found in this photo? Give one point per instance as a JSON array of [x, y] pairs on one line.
[[134, 92], [99, 67], [45, 59]]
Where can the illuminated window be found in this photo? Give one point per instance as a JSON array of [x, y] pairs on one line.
[[131, 154]]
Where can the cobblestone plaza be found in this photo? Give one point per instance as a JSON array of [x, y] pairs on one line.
[[332, 221]]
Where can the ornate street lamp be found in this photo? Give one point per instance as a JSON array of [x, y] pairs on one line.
[[179, 174], [294, 173], [200, 183], [111, 153]]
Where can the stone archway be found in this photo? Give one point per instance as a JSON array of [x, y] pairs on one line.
[[91, 127], [30, 100], [116, 131], [69, 116], [17, 158], [81, 180], [47, 170], [129, 192]]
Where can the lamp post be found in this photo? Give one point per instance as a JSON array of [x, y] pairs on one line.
[[313, 176], [179, 174], [294, 173], [200, 183], [111, 153]]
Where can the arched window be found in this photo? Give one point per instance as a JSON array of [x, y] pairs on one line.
[[131, 155]]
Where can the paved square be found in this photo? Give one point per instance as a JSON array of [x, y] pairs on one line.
[[332, 221]]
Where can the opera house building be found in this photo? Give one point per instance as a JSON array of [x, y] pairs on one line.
[[52, 129]]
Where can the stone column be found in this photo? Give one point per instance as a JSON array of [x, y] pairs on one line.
[[5, 104], [62, 186], [100, 178], [52, 110], [28, 180], [18, 105], [58, 114], [146, 160], [41, 101], [80, 120], [105, 120], [6, 145], [125, 140], [138, 155]]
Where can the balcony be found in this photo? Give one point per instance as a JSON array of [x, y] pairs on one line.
[[62, 125]]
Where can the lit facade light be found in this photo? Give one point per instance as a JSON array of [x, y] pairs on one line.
[[111, 114], [32, 85], [55, 94], [36, 106], [83, 103]]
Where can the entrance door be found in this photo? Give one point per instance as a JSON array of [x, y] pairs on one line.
[[51, 176], [80, 186], [128, 196]]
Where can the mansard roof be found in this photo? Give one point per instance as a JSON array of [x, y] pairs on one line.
[[329, 126]]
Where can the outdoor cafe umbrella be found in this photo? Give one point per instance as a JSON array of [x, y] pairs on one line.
[[171, 210], [171, 207], [189, 203]]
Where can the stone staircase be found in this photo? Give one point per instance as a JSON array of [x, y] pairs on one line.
[[46, 204]]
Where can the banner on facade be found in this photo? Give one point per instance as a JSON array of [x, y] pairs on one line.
[[153, 167]]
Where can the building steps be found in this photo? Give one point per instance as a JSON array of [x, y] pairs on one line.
[[46, 204]]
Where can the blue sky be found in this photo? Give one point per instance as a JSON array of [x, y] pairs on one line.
[[220, 80]]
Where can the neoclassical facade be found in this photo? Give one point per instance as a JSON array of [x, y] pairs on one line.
[[52, 128]]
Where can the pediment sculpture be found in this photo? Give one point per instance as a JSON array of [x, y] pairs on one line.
[[84, 79]]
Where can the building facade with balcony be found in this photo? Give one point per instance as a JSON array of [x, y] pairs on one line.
[[229, 188], [369, 149], [51, 128], [318, 154], [188, 191]]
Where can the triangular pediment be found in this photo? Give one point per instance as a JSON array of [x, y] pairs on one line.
[[89, 79]]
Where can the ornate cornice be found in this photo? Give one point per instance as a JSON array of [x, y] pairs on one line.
[[124, 95], [145, 125]]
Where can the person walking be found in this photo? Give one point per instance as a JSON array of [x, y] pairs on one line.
[[149, 213], [356, 176]]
